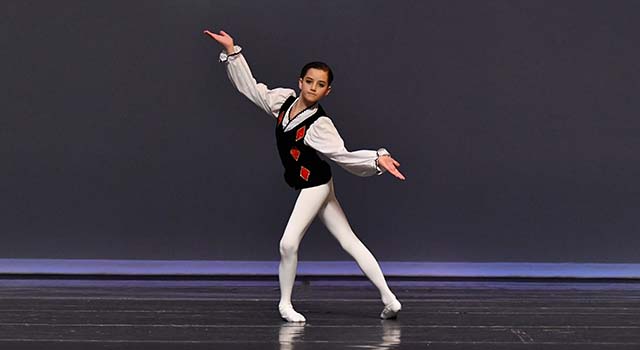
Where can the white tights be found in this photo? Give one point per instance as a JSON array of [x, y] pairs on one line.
[[321, 200]]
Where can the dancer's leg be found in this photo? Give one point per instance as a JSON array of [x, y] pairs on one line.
[[333, 217], [309, 202]]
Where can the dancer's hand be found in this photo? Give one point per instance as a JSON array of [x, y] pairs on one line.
[[390, 165], [223, 39]]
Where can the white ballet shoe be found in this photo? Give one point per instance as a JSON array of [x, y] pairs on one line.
[[290, 315], [391, 310]]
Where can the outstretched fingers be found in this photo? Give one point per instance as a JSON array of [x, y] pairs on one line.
[[213, 35], [390, 165], [395, 172], [223, 39]]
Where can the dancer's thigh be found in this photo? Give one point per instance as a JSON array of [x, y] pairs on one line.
[[335, 220], [309, 202]]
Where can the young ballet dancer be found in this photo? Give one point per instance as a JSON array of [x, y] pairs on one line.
[[303, 130]]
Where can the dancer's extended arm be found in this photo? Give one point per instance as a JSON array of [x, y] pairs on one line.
[[324, 138]]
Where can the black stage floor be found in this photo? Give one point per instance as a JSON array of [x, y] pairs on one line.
[[209, 314]]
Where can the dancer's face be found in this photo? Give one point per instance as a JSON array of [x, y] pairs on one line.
[[314, 86]]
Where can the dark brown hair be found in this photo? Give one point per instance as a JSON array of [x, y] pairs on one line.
[[317, 65]]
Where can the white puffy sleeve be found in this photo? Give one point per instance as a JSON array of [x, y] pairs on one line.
[[324, 138]]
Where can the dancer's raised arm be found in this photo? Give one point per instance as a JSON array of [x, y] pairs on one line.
[[269, 100]]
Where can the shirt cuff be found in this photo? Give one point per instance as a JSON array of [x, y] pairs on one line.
[[381, 152], [224, 56]]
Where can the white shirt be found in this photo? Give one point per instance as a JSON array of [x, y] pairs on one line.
[[322, 135]]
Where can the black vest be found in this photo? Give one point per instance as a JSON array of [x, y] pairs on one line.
[[303, 168]]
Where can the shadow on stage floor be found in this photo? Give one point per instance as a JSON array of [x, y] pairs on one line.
[[342, 314]]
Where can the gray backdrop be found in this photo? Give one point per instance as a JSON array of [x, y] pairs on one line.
[[516, 123]]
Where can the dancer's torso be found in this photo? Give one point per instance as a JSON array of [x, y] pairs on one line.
[[303, 168]]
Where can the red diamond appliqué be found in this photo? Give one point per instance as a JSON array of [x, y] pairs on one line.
[[300, 133], [305, 173], [295, 153]]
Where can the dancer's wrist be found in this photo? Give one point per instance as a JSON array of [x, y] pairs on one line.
[[229, 52], [381, 152]]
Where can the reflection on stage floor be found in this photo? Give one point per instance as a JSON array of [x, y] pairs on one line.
[[341, 314]]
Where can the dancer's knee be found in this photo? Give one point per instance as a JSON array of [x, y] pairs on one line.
[[347, 246], [350, 245], [288, 249]]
